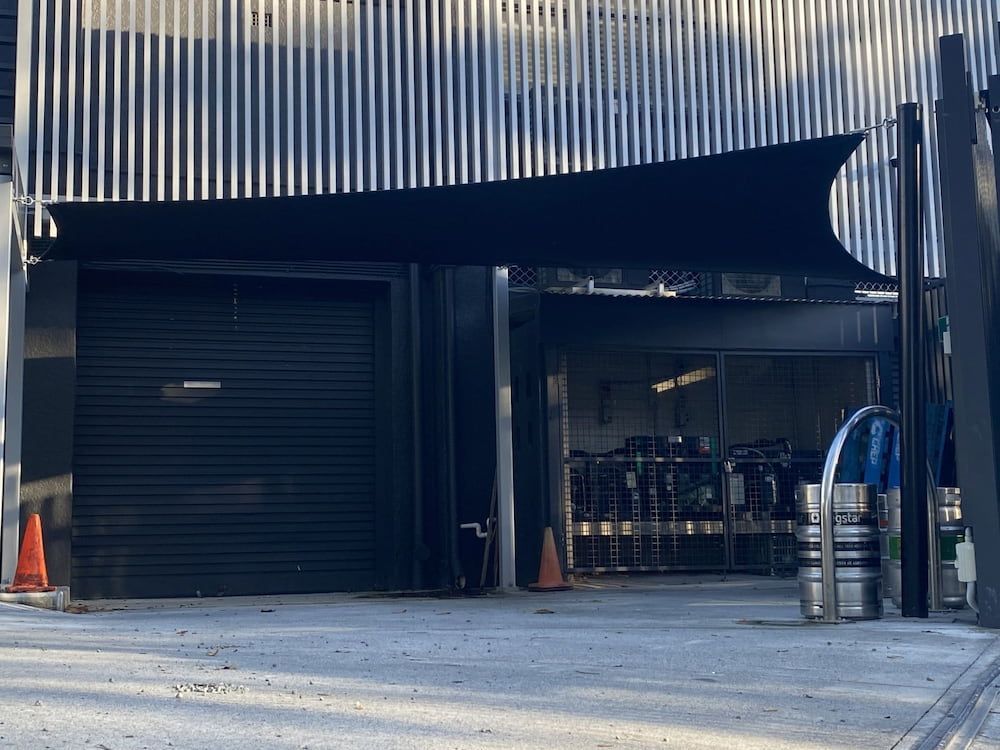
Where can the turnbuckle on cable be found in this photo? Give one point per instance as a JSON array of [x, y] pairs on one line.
[[887, 123]]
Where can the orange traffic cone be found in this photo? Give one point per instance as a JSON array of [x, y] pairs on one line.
[[31, 575], [550, 576]]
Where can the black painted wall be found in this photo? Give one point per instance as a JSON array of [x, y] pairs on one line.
[[49, 389], [475, 410]]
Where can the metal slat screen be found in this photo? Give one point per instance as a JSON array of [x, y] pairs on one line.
[[157, 100], [649, 483], [641, 461], [781, 414]]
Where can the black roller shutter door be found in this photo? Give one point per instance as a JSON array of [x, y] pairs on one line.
[[225, 437]]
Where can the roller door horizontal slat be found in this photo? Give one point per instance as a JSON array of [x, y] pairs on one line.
[[264, 484]]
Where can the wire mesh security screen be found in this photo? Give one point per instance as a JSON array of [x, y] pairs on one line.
[[781, 414], [642, 464]]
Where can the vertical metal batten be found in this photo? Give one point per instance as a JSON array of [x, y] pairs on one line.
[[71, 102], [667, 34], [714, 44], [926, 81], [872, 107], [283, 99], [161, 105], [57, 35], [621, 95], [574, 84], [689, 82], [102, 87], [303, 108], [913, 445], [424, 97], [703, 119], [130, 125], [512, 109], [25, 61], [175, 108], [561, 85], [538, 148], [448, 138], [550, 84], [261, 102], [86, 22], [411, 96], [370, 65], [770, 79], [318, 104], [476, 29], [437, 144], [40, 115], [850, 122], [837, 123], [463, 103], [497, 159], [358, 103], [726, 39], [609, 77], [647, 113], [633, 88], [802, 64], [599, 113], [330, 103], [524, 74], [489, 87], [782, 81], [588, 138], [219, 100], [205, 110], [397, 61], [878, 72], [191, 104], [345, 103], [248, 41], [145, 178], [740, 80], [116, 102]]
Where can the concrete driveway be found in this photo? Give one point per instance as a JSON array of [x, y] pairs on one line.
[[660, 662]]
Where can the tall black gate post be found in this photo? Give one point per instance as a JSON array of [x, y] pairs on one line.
[[913, 442], [971, 228]]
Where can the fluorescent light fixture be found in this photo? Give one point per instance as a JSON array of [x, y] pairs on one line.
[[688, 378]]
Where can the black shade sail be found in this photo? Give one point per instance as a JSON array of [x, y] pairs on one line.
[[763, 210]]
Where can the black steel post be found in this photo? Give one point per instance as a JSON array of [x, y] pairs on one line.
[[913, 445], [971, 228]]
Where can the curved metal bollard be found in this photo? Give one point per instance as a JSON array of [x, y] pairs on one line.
[[829, 567]]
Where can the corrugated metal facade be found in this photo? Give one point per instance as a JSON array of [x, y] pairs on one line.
[[152, 100]]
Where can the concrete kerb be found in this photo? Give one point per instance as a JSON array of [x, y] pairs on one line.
[[56, 600]]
